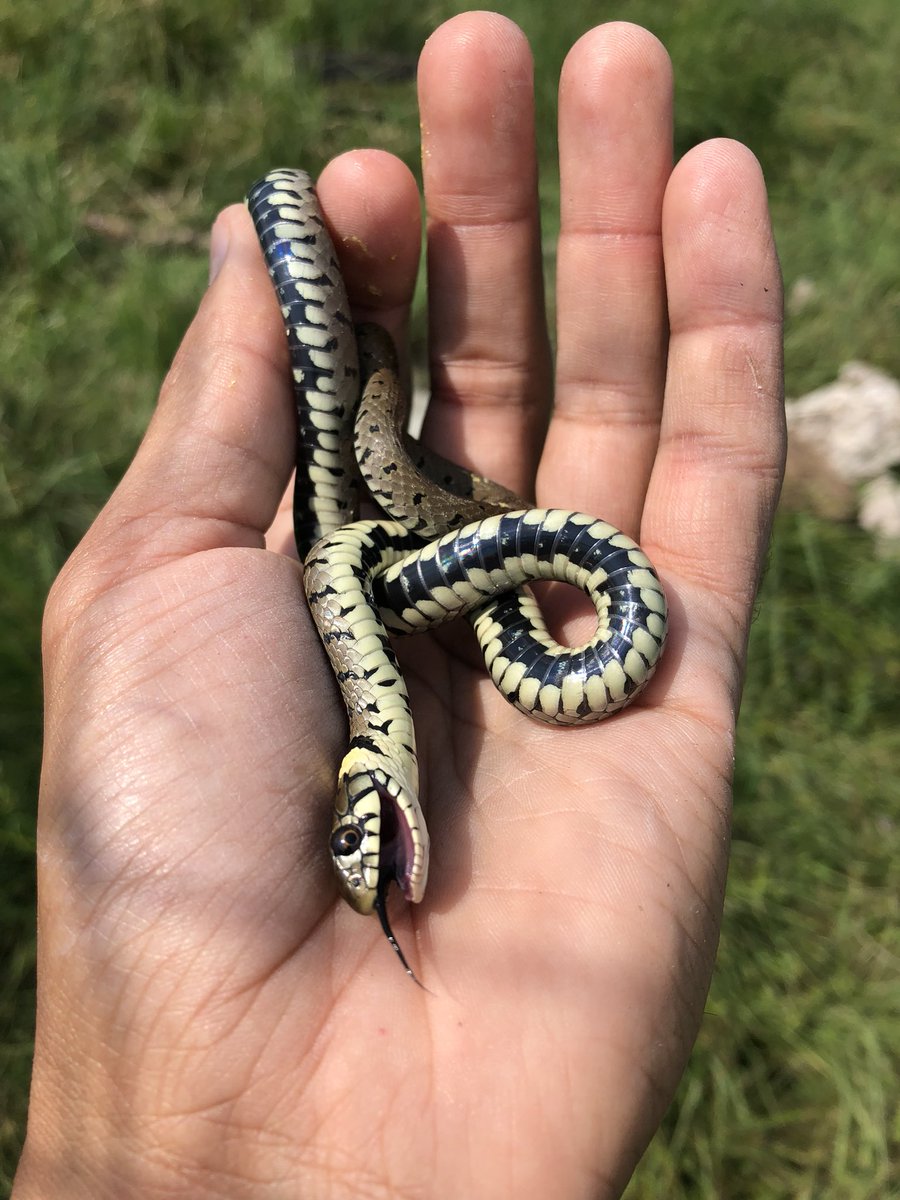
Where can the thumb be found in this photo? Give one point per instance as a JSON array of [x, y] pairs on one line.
[[217, 454]]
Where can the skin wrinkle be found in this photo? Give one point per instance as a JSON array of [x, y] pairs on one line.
[[683, 864], [686, 452], [764, 459], [710, 750], [95, 863], [418, 679], [319, 1118], [164, 606], [227, 641], [185, 724], [282, 1109], [220, 1029], [480, 400], [476, 389], [489, 229], [213, 1174], [497, 316], [722, 586], [598, 416], [159, 873], [709, 634], [613, 390], [681, 708], [217, 1111], [195, 532], [243, 458], [120, 878], [514, 396], [645, 803], [128, 620], [234, 905], [755, 327], [343, 1160], [494, 219], [157, 878], [611, 880], [201, 423], [169, 516], [726, 594], [618, 237]]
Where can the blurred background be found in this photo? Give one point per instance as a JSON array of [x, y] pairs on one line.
[[128, 125]]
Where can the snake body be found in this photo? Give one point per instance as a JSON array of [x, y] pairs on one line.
[[454, 544]]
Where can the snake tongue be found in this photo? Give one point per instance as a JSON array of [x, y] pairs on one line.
[[395, 863], [396, 859]]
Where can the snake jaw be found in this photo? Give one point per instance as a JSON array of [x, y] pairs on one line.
[[397, 851], [377, 838]]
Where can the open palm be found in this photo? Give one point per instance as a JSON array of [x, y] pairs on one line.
[[213, 1021]]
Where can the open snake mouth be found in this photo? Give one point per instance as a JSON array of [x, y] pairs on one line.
[[397, 852]]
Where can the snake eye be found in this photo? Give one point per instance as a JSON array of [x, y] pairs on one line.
[[346, 840]]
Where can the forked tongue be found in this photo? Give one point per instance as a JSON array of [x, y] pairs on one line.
[[394, 865]]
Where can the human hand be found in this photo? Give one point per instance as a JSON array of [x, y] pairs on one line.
[[212, 1020]]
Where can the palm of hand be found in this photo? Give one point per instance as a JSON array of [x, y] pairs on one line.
[[238, 942], [240, 1024]]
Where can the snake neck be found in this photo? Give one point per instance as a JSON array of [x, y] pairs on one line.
[[389, 750]]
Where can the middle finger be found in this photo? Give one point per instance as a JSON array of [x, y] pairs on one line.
[[490, 356]]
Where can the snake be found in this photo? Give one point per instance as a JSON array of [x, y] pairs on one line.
[[447, 543]]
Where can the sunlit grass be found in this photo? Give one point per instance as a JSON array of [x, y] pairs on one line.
[[127, 126], [792, 1090]]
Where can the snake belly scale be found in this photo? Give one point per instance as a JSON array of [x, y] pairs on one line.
[[452, 543]]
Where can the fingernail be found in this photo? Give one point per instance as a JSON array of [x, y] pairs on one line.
[[218, 247]]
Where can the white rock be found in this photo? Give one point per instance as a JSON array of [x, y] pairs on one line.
[[879, 509], [851, 425], [801, 295]]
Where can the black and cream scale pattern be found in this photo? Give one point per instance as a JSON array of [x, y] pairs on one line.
[[366, 578]]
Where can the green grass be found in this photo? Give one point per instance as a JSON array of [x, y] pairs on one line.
[[128, 126], [792, 1090]]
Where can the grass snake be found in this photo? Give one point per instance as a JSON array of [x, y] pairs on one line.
[[451, 543]]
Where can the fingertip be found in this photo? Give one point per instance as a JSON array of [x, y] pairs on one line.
[[365, 170], [615, 129], [460, 35], [475, 72], [717, 237], [712, 173], [371, 203], [227, 222], [623, 46]]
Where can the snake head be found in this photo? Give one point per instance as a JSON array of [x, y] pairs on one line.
[[378, 837]]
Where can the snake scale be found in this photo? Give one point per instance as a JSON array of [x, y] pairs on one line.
[[451, 543]]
